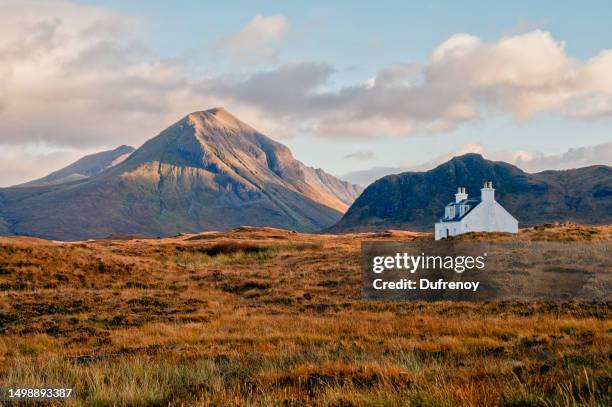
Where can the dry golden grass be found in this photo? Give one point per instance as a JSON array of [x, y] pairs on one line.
[[261, 316], [558, 232]]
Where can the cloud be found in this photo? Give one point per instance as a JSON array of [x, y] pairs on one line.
[[78, 76], [287, 91], [74, 75], [360, 155], [24, 164], [463, 80], [572, 158], [600, 154], [254, 44]]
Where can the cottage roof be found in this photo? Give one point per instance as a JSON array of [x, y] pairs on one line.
[[472, 202]]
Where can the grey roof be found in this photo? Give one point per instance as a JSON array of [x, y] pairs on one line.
[[472, 202]]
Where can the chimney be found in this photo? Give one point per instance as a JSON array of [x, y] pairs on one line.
[[460, 195], [487, 193]]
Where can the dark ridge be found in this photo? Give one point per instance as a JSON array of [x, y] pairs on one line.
[[415, 200]]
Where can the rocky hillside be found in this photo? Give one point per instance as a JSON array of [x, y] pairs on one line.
[[415, 200], [208, 171]]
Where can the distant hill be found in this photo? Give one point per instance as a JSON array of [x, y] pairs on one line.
[[85, 167], [208, 171], [415, 200]]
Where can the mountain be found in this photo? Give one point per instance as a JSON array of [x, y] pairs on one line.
[[208, 171], [85, 167], [415, 200]]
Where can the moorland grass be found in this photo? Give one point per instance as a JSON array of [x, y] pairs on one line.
[[248, 318]]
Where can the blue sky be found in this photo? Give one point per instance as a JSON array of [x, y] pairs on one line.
[[404, 30], [341, 45]]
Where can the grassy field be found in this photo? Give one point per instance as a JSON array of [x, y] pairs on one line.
[[271, 317]]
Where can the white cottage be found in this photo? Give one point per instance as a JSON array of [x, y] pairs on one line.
[[475, 215]]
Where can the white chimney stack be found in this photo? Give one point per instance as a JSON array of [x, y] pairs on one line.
[[460, 195], [487, 193]]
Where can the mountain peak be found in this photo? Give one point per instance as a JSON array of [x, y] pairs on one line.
[[220, 110], [207, 171], [473, 156], [219, 118]]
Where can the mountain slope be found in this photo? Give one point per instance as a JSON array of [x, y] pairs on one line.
[[207, 171], [343, 190], [415, 200], [85, 167]]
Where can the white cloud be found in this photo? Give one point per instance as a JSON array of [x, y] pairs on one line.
[[600, 154], [463, 80], [76, 77], [22, 163], [254, 44], [572, 158], [71, 75]]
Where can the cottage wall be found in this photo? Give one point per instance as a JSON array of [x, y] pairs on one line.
[[454, 228], [489, 216]]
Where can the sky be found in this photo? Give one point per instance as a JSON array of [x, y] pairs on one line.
[[348, 86]]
